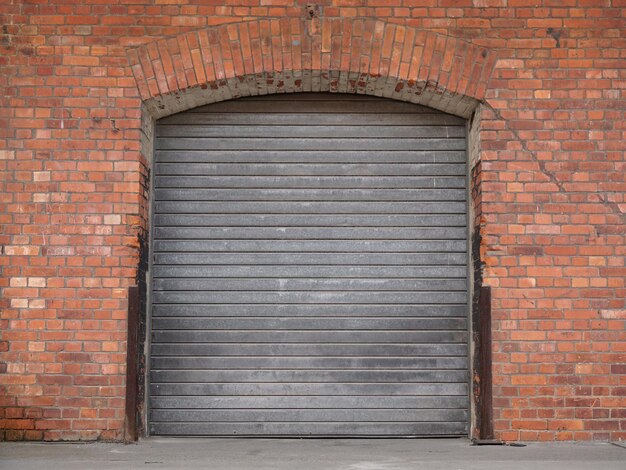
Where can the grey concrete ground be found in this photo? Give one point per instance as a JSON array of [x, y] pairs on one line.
[[311, 454]]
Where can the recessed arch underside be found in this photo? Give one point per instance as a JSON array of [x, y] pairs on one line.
[[288, 55]]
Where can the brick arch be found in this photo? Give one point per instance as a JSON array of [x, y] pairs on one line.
[[364, 56], [358, 56]]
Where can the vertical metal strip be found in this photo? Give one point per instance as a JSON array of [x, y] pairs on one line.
[[486, 404], [130, 428]]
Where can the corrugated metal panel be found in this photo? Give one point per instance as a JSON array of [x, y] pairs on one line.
[[309, 271]]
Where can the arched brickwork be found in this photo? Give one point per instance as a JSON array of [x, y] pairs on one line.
[[363, 56]]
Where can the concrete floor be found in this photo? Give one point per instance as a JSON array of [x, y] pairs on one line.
[[311, 454]]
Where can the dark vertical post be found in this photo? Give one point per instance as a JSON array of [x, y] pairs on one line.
[[486, 402], [130, 428]]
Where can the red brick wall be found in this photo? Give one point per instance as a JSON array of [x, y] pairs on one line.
[[551, 142]]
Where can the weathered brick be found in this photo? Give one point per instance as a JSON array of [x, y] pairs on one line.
[[547, 148]]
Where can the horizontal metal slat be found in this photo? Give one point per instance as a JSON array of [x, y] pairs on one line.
[[322, 143], [323, 246], [334, 350], [313, 416], [311, 429], [313, 233], [308, 363], [304, 297], [428, 209], [350, 389], [310, 118], [311, 156], [307, 376], [308, 195], [239, 131], [309, 169], [286, 284], [308, 323], [310, 220], [300, 259], [303, 310], [310, 402], [307, 336], [314, 182], [296, 272]]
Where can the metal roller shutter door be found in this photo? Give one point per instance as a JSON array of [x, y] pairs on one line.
[[309, 269]]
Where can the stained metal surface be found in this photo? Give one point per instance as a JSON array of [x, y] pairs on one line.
[[309, 272]]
